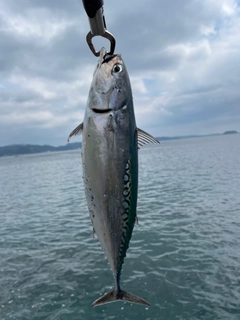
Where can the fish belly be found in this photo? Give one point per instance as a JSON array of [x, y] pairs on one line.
[[110, 179]]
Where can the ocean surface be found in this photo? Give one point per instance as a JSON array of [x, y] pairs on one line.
[[184, 256]]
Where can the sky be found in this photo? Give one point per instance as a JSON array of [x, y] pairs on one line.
[[183, 59]]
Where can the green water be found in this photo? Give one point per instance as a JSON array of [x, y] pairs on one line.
[[184, 257]]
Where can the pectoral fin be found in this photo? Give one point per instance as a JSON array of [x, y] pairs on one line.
[[76, 132], [144, 138]]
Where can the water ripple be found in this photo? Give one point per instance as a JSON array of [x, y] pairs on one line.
[[184, 255]]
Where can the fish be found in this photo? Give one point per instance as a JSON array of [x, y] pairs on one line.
[[110, 143]]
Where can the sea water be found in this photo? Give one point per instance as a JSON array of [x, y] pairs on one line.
[[184, 256]]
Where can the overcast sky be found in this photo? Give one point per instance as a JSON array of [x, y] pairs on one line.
[[183, 58]]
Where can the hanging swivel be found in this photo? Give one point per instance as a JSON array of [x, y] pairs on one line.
[[94, 10]]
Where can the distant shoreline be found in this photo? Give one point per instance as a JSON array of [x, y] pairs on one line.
[[22, 149]]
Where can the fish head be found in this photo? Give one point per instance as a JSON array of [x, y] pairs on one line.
[[110, 89]]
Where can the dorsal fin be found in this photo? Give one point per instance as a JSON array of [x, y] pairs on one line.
[[144, 138], [76, 132]]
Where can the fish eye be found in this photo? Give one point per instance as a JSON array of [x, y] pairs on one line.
[[117, 68]]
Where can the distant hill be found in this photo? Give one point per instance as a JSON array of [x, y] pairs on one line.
[[17, 149], [230, 132], [187, 137]]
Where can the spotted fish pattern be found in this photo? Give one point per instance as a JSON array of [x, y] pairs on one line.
[[126, 208]]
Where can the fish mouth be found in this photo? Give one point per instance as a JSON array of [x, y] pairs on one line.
[[123, 106], [101, 110]]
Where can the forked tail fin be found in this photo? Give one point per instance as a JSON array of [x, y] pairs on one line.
[[121, 295]]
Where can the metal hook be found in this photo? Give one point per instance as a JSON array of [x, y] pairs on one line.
[[106, 35]]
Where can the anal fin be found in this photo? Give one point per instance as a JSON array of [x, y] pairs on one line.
[[94, 234], [136, 220]]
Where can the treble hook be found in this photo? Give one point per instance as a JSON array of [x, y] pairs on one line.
[[94, 10]]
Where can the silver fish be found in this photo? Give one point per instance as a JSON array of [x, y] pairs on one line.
[[110, 143]]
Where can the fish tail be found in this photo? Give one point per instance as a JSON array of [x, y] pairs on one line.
[[119, 295]]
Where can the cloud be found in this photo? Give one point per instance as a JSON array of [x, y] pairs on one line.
[[182, 58]]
